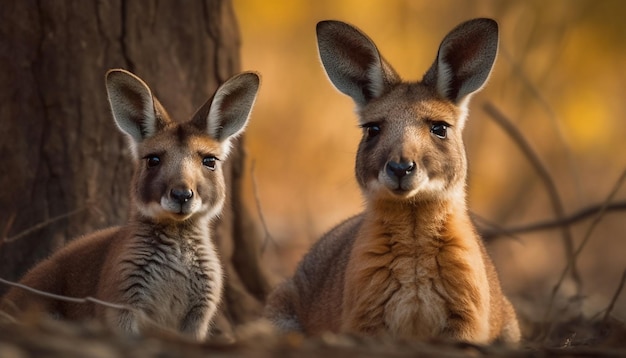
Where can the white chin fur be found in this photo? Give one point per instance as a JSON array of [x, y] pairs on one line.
[[188, 208], [419, 188], [168, 209]]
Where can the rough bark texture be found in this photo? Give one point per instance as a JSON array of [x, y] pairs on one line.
[[61, 153]]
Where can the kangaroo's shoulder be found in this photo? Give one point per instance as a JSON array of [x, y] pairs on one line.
[[334, 246], [90, 246], [345, 229], [340, 237], [96, 240]]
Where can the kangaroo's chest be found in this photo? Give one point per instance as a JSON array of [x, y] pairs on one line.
[[169, 278], [403, 282], [419, 305], [416, 307]]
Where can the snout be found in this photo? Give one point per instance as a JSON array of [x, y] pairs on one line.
[[400, 177], [181, 195], [181, 201], [397, 171]]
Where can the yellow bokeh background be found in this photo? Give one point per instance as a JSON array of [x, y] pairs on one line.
[[560, 78]]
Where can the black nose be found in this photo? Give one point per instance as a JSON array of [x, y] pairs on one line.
[[399, 170], [181, 195]]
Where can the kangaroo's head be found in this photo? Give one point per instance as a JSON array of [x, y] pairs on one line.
[[178, 172], [412, 146]]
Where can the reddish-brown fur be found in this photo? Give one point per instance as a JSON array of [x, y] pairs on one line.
[[411, 265]]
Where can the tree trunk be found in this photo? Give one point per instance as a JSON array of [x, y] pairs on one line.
[[65, 167]]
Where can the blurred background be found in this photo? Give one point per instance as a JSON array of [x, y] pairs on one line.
[[560, 78]]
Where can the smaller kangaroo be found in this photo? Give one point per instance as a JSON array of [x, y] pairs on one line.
[[411, 265], [162, 263]]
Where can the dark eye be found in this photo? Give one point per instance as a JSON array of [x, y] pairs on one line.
[[209, 162], [152, 161], [439, 129], [371, 129]]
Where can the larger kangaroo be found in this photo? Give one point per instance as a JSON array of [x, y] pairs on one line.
[[411, 265], [162, 263]]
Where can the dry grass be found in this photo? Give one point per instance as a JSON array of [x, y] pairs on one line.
[[36, 338]]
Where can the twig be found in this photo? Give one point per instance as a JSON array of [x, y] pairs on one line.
[[41, 225], [140, 314], [547, 180], [496, 230], [7, 317], [7, 227], [582, 245], [543, 103], [268, 237], [609, 309], [65, 298], [581, 215]]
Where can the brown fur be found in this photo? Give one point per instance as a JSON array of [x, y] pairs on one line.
[[411, 265], [162, 264]]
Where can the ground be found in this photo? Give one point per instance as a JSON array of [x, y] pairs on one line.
[[34, 337]]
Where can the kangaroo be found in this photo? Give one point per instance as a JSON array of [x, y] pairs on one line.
[[161, 263], [411, 265]]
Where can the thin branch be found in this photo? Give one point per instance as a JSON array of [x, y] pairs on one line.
[[42, 224], [546, 178], [543, 103], [140, 314], [582, 214], [495, 230], [609, 309], [572, 261], [268, 237], [65, 298], [7, 317], [7, 227]]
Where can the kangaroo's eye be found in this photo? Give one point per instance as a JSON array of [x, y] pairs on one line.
[[209, 162], [439, 129], [371, 129], [152, 161]]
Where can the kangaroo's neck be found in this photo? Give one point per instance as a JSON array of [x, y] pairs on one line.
[[400, 221], [193, 230]]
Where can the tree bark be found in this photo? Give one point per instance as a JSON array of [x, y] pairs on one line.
[[65, 167]]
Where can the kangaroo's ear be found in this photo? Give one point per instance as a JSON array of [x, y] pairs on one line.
[[226, 115], [135, 110], [464, 61], [353, 63]]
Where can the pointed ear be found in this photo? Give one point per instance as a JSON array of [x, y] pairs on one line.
[[353, 63], [134, 108], [464, 61], [226, 115]]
